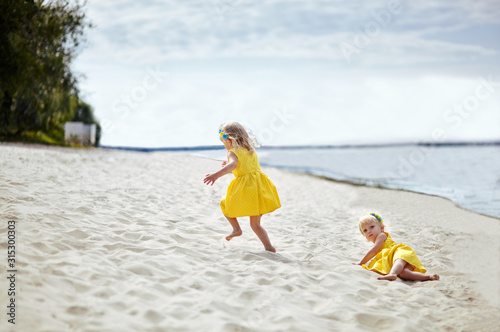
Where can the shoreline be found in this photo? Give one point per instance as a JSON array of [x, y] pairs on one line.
[[300, 147], [117, 240], [324, 177], [385, 188]]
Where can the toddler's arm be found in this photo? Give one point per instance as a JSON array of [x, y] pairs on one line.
[[228, 168], [374, 250]]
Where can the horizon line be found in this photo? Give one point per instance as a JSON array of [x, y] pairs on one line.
[[310, 146]]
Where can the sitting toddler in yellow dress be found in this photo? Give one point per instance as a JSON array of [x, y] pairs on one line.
[[388, 258]]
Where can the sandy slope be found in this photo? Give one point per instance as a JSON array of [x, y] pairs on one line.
[[118, 241]]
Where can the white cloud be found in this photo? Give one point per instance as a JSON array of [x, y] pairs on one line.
[[245, 59], [154, 32]]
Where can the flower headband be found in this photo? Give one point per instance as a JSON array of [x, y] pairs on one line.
[[221, 132], [379, 218]]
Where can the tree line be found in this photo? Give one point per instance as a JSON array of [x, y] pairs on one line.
[[38, 91]]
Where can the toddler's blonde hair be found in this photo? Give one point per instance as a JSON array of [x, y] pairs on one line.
[[240, 136], [372, 217], [367, 218]]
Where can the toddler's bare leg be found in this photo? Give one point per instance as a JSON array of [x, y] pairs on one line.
[[261, 233], [409, 274], [397, 268], [236, 228]]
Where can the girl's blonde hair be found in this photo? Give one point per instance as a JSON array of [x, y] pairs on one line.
[[372, 217], [239, 135]]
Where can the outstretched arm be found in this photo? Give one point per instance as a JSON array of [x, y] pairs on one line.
[[228, 168], [375, 249]]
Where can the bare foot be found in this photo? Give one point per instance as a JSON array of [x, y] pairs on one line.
[[234, 234], [271, 249], [390, 277], [434, 277]]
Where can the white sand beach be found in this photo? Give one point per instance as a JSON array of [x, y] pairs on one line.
[[124, 241]]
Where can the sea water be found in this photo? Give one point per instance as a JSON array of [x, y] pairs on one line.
[[469, 175]]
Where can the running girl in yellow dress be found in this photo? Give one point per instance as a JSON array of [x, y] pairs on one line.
[[251, 193], [390, 259]]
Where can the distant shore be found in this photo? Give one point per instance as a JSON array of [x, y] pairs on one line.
[[327, 146]]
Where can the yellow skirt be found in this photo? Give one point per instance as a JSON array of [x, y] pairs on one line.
[[251, 194], [383, 261]]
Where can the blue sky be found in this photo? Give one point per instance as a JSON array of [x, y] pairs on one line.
[[167, 73]]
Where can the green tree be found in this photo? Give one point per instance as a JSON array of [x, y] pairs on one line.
[[38, 41]]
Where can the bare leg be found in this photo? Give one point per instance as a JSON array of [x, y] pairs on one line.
[[404, 270], [236, 228], [409, 274], [398, 267], [261, 233]]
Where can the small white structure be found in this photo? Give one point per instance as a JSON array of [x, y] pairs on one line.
[[78, 132]]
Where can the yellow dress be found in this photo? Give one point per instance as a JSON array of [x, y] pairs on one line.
[[251, 193], [390, 251]]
